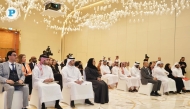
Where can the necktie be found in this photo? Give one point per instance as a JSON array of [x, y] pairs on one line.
[[13, 67]]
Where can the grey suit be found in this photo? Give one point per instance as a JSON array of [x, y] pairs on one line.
[[4, 75], [146, 78]]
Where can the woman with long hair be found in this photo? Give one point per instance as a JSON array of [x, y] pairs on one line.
[[26, 70], [56, 73]]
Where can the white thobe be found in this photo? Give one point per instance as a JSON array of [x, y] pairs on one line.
[[128, 71], [47, 92], [117, 60], [130, 81], [167, 83], [115, 70], [178, 73], [110, 62], [78, 92], [135, 72], [106, 73]]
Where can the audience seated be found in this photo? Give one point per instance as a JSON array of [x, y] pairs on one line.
[[42, 76], [57, 75], [38, 76], [115, 69], [146, 78], [135, 70], [33, 62], [178, 80], [27, 71], [106, 73], [133, 83], [72, 79], [127, 67], [177, 72], [151, 66], [161, 74], [100, 87], [10, 73]]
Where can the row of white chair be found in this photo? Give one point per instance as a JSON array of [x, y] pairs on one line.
[[143, 89]]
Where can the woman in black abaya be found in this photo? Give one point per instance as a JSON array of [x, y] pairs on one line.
[[179, 82], [100, 87]]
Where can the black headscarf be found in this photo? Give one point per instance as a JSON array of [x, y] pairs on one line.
[[90, 64], [167, 68]]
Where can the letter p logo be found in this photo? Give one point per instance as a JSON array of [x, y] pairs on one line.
[[12, 13]]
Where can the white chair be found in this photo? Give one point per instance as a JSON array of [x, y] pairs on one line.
[[122, 85], [67, 98], [18, 95], [36, 102], [145, 89]]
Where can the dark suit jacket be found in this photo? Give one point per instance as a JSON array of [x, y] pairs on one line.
[[145, 75]]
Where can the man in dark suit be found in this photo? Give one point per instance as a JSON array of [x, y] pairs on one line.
[[183, 65], [146, 78], [11, 72], [33, 62]]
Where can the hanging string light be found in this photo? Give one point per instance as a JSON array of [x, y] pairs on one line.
[[102, 16]]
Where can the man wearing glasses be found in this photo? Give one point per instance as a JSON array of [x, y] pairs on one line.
[[11, 73]]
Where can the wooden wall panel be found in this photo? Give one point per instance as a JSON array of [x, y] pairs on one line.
[[8, 41]]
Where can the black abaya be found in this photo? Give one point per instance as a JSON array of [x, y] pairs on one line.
[[178, 81], [28, 80], [100, 87], [57, 76]]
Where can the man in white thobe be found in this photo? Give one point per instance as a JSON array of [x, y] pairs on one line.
[[104, 58], [117, 59], [115, 69], [42, 76], [127, 67], [110, 62], [72, 79], [161, 74], [133, 83], [106, 73], [177, 72], [135, 71]]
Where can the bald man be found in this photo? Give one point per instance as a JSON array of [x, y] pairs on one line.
[[146, 78]]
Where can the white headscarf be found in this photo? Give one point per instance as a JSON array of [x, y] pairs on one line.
[[136, 63], [157, 63], [156, 66], [69, 60], [173, 67]]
